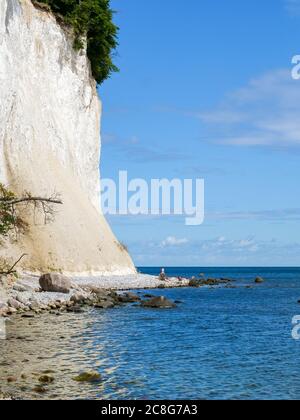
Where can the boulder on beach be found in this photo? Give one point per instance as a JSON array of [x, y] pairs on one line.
[[55, 283], [159, 303]]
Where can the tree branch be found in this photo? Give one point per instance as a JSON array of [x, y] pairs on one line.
[[11, 270], [12, 202]]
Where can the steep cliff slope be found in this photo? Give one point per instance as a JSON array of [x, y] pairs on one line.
[[50, 142]]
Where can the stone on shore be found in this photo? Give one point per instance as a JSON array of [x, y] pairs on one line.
[[77, 309], [22, 288], [104, 305], [3, 308], [13, 303], [79, 298], [55, 283]]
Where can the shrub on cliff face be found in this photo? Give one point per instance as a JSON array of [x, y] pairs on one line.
[[8, 219], [13, 210], [92, 19]]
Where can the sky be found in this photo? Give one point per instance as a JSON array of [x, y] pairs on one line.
[[205, 91]]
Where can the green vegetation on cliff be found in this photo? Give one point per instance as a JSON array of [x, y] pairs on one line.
[[12, 210], [92, 19], [8, 220]]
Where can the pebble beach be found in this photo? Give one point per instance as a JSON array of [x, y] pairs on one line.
[[25, 294]]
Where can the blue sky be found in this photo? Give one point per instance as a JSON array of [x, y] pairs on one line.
[[205, 91]]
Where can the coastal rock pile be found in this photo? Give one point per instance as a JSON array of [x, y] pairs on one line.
[[209, 282], [55, 283], [57, 294], [129, 298]]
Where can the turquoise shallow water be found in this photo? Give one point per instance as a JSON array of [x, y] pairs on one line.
[[219, 343]]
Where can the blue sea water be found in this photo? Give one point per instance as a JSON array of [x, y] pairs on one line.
[[219, 343]]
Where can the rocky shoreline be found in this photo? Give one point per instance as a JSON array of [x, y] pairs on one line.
[[58, 295], [27, 298], [54, 292]]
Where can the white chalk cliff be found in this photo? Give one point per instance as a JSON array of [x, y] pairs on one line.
[[50, 142]]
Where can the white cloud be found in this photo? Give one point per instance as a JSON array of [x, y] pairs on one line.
[[171, 241], [264, 113], [217, 246], [222, 245], [260, 215], [221, 239], [219, 251]]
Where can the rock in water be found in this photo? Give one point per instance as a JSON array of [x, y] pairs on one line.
[[159, 303], [128, 298], [46, 379], [49, 142], [194, 283], [55, 283], [88, 377], [5, 397], [259, 280]]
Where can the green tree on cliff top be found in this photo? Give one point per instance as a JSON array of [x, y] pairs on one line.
[[92, 19]]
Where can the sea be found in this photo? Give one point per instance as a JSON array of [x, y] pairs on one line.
[[220, 343]]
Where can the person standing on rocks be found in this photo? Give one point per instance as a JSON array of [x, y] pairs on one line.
[[162, 275]]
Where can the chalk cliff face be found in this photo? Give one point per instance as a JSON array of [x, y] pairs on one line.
[[50, 142]]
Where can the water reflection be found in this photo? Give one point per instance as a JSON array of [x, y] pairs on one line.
[[217, 344], [61, 346]]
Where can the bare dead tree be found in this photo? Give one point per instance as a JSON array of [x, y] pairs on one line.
[[12, 216], [23, 200], [11, 205], [12, 270]]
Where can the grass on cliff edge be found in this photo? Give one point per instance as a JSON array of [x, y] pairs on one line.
[[92, 19]]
